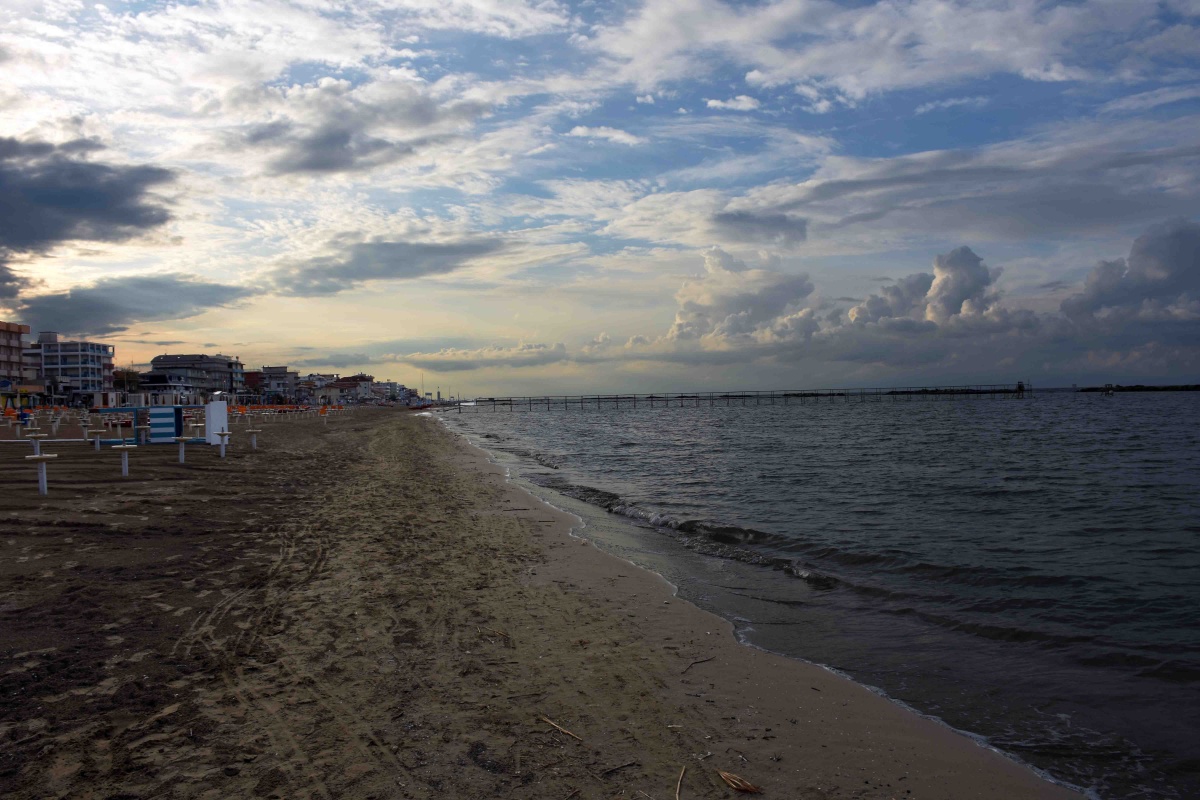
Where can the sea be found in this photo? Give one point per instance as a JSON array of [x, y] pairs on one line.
[[1026, 571]]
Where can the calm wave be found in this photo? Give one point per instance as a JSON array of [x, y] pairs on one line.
[[1024, 570]]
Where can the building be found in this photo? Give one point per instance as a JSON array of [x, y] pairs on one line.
[[279, 382], [10, 351], [215, 373], [355, 388], [387, 390], [11, 363], [67, 367], [172, 387]]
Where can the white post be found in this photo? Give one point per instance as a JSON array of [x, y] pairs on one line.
[[253, 437], [124, 463], [96, 433], [182, 444], [41, 462]]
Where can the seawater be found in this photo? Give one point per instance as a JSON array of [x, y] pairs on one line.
[[1027, 571]]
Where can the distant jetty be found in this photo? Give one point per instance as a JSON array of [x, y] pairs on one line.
[[994, 391], [1138, 387]]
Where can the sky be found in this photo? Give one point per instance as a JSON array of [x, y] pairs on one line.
[[507, 197]]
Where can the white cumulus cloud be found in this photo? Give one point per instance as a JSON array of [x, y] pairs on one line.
[[740, 103], [603, 132]]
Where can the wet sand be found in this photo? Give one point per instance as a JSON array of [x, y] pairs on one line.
[[367, 609]]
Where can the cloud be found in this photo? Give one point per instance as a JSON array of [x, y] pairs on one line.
[[51, 194], [1140, 315], [611, 134], [646, 99], [953, 102], [1085, 178], [740, 103], [1144, 101], [960, 285], [904, 298], [335, 360], [333, 126], [599, 344], [111, 305], [732, 301], [1160, 278], [377, 260], [766, 228], [510, 19], [12, 283], [842, 54], [951, 323], [455, 360]]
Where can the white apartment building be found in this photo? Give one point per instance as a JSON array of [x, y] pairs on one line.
[[67, 366]]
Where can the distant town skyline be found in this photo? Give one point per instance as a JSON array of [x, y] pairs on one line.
[[545, 197]]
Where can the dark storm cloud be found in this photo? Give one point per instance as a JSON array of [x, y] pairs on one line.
[[111, 305], [766, 228], [369, 261], [51, 194]]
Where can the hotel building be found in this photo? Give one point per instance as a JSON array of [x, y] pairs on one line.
[[67, 366]]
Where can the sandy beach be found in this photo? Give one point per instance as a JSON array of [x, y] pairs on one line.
[[367, 609]]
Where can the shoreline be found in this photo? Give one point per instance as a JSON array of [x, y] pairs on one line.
[[372, 609], [534, 491], [741, 635]]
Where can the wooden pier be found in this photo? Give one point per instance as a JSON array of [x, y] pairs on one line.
[[782, 397]]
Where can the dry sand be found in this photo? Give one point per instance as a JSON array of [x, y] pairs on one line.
[[367, 609]]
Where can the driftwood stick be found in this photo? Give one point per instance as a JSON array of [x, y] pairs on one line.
[[558, 727], [679, 783], [572, 794], [623, 766], [701, 661]]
